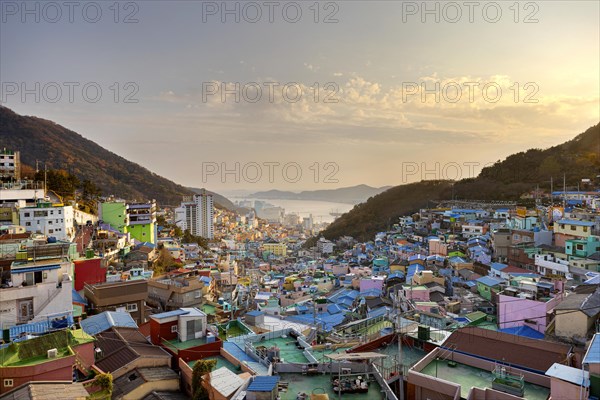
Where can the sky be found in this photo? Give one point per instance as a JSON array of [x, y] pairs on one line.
[[305, 95]]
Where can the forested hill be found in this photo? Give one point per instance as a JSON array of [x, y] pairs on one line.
[[505, 180]]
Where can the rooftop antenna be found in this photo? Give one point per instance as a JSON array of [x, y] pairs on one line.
[[564, 190], [45, 179]]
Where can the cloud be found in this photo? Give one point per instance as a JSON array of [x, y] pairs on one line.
[[491, 108]]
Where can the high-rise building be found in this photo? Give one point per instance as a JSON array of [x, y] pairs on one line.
[[196, 214], [10, 165]]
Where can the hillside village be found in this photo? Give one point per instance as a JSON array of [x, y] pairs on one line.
[[463, 300]]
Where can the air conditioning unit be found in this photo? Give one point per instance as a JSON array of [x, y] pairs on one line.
[[52, 353], [346, 371]]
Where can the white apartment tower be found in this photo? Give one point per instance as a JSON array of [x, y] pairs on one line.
[[196, 214]]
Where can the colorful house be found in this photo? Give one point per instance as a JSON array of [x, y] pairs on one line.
[[487, 284]]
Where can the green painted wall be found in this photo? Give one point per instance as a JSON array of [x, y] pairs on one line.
[[143, 233], [114, 214]]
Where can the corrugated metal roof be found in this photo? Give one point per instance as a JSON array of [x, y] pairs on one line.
[[489, 281], [569, 374], [592, 355], [225, 381], [106, 320], [575, 222], [169, 314], [263, 384]]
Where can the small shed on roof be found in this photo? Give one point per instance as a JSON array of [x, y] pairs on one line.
[[255, 318], [263, 388]]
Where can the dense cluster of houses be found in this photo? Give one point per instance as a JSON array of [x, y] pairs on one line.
[[465, 300]]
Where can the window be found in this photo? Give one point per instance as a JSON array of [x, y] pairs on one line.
[[573, 227], [585, 228], [8, 383], [27, 223], [132, 307], [33, 278], [173, 328], [197, 294], [26, 215]]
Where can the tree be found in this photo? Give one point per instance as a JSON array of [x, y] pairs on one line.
[[201, 368], [89, 190], [164, 262], [105, 381], [189, 238]]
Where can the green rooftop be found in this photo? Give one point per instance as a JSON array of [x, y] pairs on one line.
[[468, 377], [287, 349], [35, 351], [209, 309], [232, 329], [176, 344], [319, 384], [221, 362]]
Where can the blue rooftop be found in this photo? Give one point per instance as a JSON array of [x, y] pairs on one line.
[[325, 320], [378, 312], [412, 270], [575, 222], [524, 331], [592, 355], [397, 274], [77, 298], [489, 281], [301, 308], [263, 384], [352, 294], [106, 320], [255, 313], [498, 266]]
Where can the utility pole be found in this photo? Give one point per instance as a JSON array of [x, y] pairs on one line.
[[399, 335], [45, 179], [564, 190]]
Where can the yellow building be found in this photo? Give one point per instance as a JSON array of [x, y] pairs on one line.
[[275, 247]]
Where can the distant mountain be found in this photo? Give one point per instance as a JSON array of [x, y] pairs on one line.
[[505, 180], [60, 148], [350, 195]]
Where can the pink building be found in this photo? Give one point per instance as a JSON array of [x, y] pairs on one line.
[[416, 293], [375, 282], [436, 246], [516, 311]]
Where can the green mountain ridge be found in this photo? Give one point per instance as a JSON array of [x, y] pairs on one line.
[[60, 148], [505, 180]]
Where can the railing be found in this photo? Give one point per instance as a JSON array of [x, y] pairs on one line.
[[390, 395], [260, 357], [52, 296], [446, 352]]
